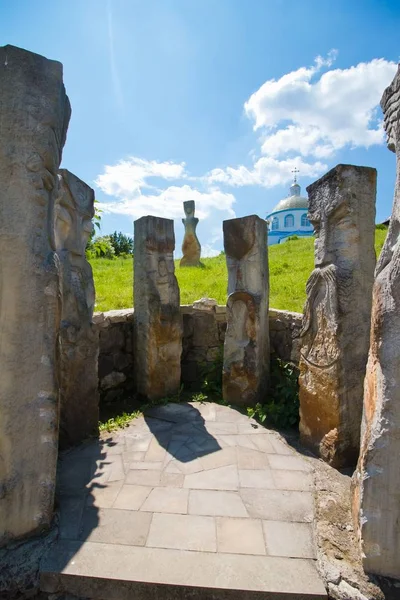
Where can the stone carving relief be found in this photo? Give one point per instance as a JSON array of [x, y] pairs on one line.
[[33, 127], [333, 358], [157, 317], [79, 402], [376, 482], [191, 248], [246, 347]]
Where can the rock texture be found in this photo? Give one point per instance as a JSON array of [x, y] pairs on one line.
[[246, 348], [157, 317], [35, 112], [79, 397], [336, 321], [191, 248], [376, 490]]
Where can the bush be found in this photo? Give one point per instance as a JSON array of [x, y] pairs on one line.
[[381, 226], [282, 408], [100, 247]]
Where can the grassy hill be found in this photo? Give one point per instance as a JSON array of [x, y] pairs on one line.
[[290, 265]]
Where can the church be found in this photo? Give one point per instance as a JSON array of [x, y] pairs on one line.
[[289, 217]]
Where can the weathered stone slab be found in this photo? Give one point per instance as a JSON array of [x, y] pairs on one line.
[[35, 112], [246, 347], [191, 248], [79, 397], [157, 318], [336, 322], [376, 483]]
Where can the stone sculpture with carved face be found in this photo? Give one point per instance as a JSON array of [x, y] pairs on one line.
[[246, 348], [73, 215], [332, 366], [376, 482]]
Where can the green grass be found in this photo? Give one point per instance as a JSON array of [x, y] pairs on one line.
[[290, 265]]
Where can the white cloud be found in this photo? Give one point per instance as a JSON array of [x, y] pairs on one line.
[[208, 251], [318, 117], [266, 172], [304, 119], [131, 175], [168, 203]]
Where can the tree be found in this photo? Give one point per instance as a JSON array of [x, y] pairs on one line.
[[123, 244]]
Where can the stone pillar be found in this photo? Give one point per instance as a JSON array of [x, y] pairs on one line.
[[376, 482], [246, 347], [157, 317], [34, 116], [191, 248], [79, 397], [336, 323]]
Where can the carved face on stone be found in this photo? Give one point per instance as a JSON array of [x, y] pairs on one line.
[[189, 207], [335, 230], [73, 216], [390, 106]]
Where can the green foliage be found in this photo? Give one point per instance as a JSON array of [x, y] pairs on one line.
[[292, 238], [119, 421], [100, 247], [198, 397], [122, 244], [211, 377], [381, 227], [96, 218], [282, 408], [290, 266]]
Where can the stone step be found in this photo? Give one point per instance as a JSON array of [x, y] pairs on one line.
[[118, 572]]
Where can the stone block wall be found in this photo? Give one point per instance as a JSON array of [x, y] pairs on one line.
[[284, 334], [116, 371], [204, 326]]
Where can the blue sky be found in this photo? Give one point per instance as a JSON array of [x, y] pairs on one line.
[[214, 100]]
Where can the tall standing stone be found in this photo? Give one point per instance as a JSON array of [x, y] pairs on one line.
[[191, 248], [246, 348], [376, 483], [34, 116], [157, 317], [336, 321], [79, 396]]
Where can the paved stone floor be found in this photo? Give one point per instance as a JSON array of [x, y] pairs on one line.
[[201, 486]]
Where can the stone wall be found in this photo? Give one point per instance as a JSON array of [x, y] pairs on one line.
[[116, 372], [204, 326]]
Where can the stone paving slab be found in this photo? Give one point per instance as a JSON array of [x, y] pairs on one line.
[[111, 566], [202, 484]]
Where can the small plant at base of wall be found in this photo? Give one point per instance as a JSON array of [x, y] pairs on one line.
[[211, 378], [282, 408]]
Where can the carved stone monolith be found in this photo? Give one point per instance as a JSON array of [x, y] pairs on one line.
[[34, 117], [79, 396], [246, 347], [376, 482], [157, 317], [336, 322], [191, 248]]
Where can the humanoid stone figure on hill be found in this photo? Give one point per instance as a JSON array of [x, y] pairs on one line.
[[191, 248]]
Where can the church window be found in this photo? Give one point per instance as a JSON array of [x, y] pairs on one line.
[[289, 221], [304, 221], [275, 223]]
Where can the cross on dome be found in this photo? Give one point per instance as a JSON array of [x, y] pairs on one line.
[[295, 171]]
